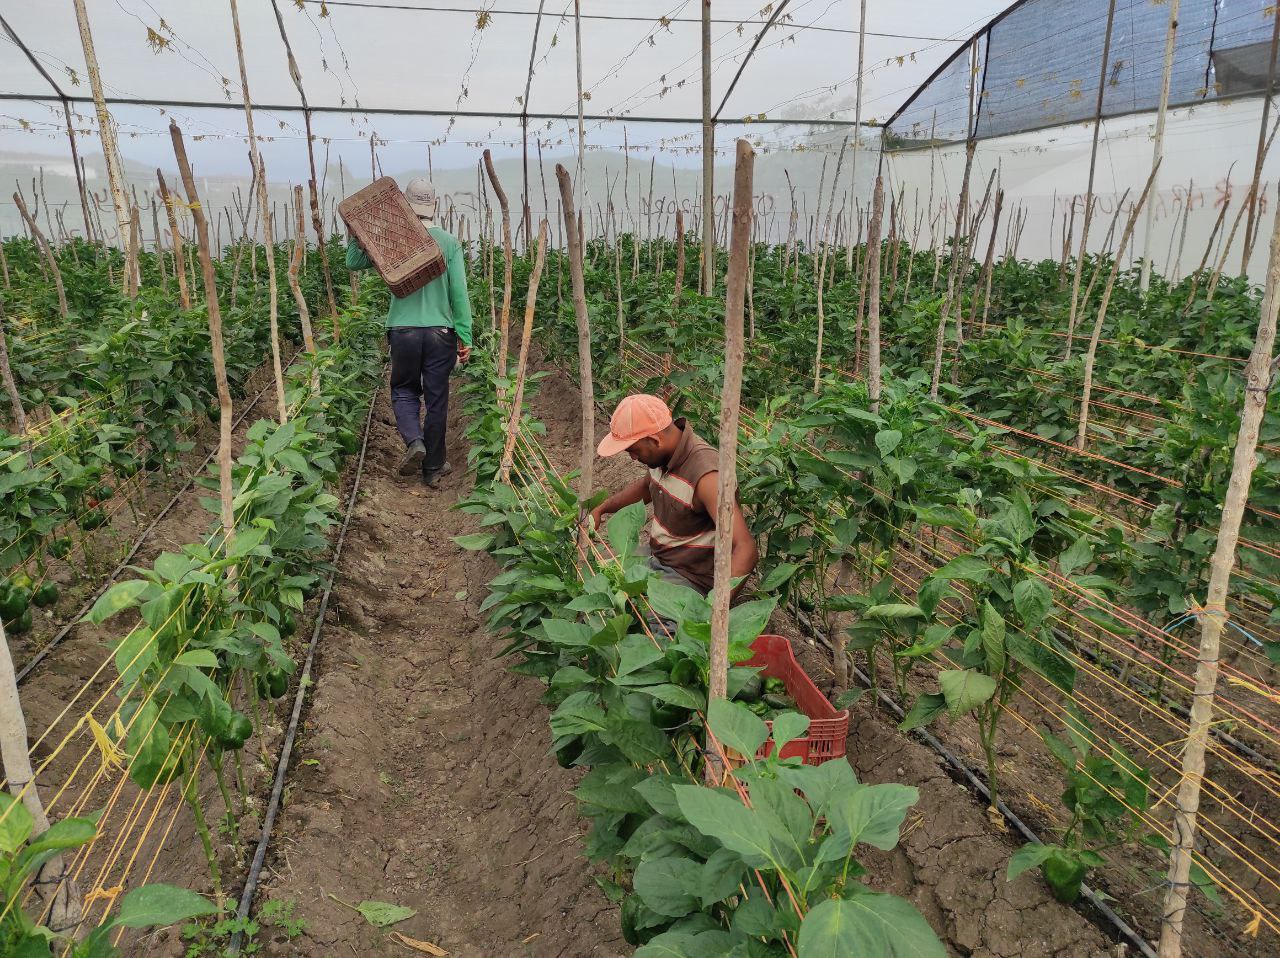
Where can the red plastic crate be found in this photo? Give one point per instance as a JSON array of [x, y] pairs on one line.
[[828, 728], [403, 252]]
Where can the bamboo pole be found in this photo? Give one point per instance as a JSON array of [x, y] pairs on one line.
[[857, 120], [530, 307], [1092, 352], [730, 408], [1259, 377], [16, 411], [505, 320], [179, 260], [708, 280], [47, 250], [316, 223], [54, 888], [989, 266], [1250, 230], [952, 290], [259, 168], [1157, 150], [873, 296], [586, 476], [215, 339], [295, 265], [106, 129], [1073, 315]]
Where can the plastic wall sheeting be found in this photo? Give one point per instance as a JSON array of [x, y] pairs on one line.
[[1041, 62], [1207, 165]]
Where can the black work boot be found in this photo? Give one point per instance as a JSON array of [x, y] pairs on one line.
[[432, 477], [411, 462]]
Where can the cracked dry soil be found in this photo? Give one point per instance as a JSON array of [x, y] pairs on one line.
[[423, 776]]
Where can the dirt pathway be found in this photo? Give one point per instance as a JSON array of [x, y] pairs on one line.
[[424, 777]]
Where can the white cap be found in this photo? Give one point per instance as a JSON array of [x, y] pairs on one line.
[[422, 197]]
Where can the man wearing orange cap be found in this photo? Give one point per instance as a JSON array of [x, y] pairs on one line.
[[682, 487]]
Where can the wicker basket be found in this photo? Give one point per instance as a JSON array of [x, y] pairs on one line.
[[382, 222]]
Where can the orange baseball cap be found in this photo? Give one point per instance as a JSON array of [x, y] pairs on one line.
[[637, 417]]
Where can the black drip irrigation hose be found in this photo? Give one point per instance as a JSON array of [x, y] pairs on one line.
[[1121, 928], [106, 584], [977, 785], [304, 684]]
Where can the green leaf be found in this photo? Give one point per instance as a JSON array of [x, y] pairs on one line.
[[821, 784], [787, 727], [887, 440], [683, 944], [570, 634], [872, 814], [724, 818], [993, 634], [636, 651], [965, 689], [623, 529], [68, 833], [121, 596], [965, 568], [1042, 654], [1026, 857], [381, 913], [157, 905], [16, 824], [476, 542], [674, 694], [747, 621], [677, 602], [895, 610], [848, 699], [1033, 600], [735, 726], [868, 925], [926, 708], [669, 886], [1077, 556], [778, 576], [198, 658], [721, 876]]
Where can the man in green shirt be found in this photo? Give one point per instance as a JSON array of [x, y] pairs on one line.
[[429, 331]]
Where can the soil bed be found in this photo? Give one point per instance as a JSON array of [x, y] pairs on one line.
[[424, 776]]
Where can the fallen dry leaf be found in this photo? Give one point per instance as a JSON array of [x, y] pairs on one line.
[[422, 946]]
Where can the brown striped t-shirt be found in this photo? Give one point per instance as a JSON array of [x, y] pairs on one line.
[[682, 535]]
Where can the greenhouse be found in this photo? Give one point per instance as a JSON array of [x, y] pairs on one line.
[[533, 478]]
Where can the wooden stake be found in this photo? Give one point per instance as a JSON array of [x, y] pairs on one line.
[[530, 307], [730, 408], [1251, 201], [873, 296], [47, 250], [505, 319], [1083, 427], [53, 886], [17, 413], [708, 161], [1259, 377], [295, 265], [106, 130], [572, 225], [215, 340], [268, 234], [179, 261], [1073, 315]]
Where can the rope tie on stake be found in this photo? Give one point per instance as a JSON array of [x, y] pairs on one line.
[[1196, 610]]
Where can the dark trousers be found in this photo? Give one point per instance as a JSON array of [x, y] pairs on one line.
[[421, 359]]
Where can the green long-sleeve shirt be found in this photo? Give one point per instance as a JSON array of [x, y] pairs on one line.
[[442, 302]]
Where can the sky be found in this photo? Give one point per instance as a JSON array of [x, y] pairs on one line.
[[639, 56]]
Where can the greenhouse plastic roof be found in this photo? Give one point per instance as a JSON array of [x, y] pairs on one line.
[[467, 61]]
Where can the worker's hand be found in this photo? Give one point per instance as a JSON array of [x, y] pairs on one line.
[[597, 518], [464, 352]]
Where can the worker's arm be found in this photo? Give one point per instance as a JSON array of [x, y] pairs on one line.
[[356, 258], [459, 301], [745, 554], [633, 492]]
